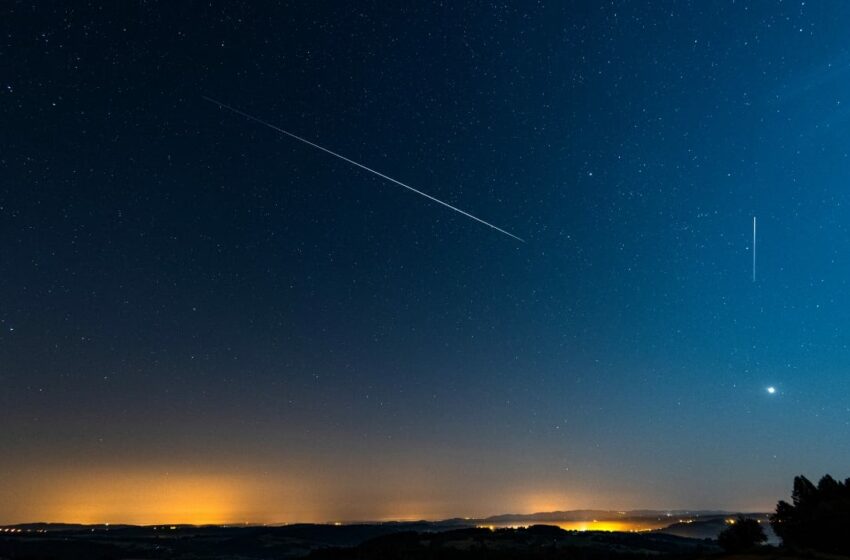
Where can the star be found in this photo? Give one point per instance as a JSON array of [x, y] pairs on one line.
[[771, 390]]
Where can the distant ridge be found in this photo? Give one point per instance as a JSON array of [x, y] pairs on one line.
[[591, 514]]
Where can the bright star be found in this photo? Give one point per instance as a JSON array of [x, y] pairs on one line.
[[771, 390]]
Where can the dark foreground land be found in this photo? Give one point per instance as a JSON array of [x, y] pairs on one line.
[[326, 542], [537, 542], [385, 541]]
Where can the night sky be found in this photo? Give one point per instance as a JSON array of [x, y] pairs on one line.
[[203, 320]]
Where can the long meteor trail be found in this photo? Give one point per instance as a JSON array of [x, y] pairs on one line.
[[360, 165]]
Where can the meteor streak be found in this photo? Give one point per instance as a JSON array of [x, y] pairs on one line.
[[360, 165], [754, 248]]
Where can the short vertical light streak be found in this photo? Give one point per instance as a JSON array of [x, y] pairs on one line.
[[754, 248]]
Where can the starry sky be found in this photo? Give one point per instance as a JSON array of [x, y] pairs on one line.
[[202, 320]]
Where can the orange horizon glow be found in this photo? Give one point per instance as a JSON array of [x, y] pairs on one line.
[[121, 496], [143, 500], [183, 497], [180, 496], [604, 525]]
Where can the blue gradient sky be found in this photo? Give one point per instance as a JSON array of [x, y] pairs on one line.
[[190, 300]]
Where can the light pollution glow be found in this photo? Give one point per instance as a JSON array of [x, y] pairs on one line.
[[135, 498], [177, 495], [120, 496], [599, 525], [148, 498], [107, 496]]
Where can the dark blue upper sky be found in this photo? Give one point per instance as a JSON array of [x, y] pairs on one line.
[[187, 293]]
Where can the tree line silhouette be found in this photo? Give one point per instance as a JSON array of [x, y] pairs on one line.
[[818, 518]]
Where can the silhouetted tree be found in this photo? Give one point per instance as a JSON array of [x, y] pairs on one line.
[[818, 517], [741, 534]]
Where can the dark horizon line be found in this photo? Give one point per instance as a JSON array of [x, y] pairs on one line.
[[621, 513]]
